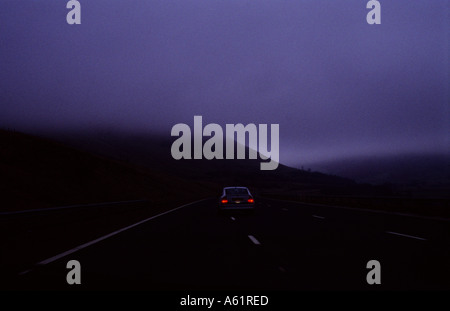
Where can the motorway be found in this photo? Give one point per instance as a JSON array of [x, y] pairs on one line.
[[283, 246]]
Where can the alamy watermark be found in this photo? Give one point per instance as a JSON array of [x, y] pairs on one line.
[[74, 15], [374, 275], [74, 274], [374, 15], [213, 147]]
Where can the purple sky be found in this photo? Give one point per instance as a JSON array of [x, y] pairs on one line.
[[337, 86]]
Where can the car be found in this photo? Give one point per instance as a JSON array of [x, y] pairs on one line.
[[236, 198]]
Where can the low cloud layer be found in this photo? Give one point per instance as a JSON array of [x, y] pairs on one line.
[[337, 86]]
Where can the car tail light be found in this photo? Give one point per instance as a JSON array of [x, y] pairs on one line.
[[250, 200], [224, 201]]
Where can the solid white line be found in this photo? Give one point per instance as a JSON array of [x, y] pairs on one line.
[[320, 217], [406, 235], [232, 218], [73, 250], [284, 209], [254, 240]]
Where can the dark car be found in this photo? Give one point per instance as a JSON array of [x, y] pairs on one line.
[[236, 198]]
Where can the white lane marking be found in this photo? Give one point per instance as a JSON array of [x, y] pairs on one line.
[[281, 269], [254, 240], [320, 217], [284, 209], [232, 218], [406, 235], [25, 272], [73, 250]]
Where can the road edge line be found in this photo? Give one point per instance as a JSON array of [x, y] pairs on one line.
[[407, 235], [82, 246]]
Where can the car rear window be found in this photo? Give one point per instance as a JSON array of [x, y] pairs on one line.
[[236, 191]]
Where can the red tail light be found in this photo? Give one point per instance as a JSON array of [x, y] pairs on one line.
[[250, 201], [224, 201]]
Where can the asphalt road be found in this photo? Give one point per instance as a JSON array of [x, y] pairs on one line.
[[284, 245]]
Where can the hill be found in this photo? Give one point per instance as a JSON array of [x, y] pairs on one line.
[[417, 174], [153, 151], [37, 173], [104, 166]]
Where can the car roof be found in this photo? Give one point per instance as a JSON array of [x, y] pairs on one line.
[[235, 188]]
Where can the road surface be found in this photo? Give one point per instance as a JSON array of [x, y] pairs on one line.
[[283, 246]]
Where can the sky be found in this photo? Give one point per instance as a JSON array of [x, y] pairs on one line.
[[336, 86]]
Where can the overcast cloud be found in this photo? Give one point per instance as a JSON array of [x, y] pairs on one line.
[[337, 86]]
